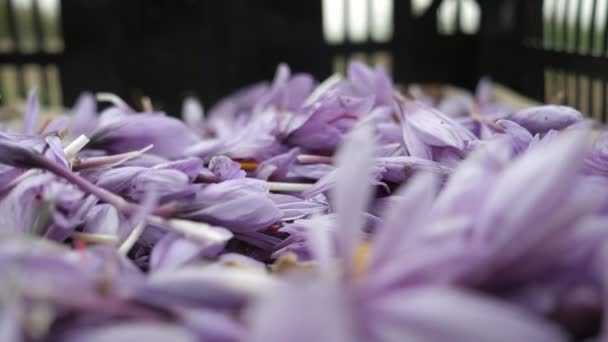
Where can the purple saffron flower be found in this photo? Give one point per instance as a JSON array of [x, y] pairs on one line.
[[541, 119], [287, 92], [520, 137], [332, 117], [364, 82], [239, 204], [83, 116], [361, 308], [32, 113], [225, 168], [427, 133], [129, 132], [173, 250], [42, 205], [597, 161], [125, 332], [295, 208], [277, 168], [198, 285]]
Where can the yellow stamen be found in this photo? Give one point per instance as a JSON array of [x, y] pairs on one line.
[[249, 166], [289, 262], [361, 259]]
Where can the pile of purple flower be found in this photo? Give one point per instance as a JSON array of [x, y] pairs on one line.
[[292, 210]]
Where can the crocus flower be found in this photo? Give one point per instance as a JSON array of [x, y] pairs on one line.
[[360, 310], [295, 211], [277, 167], [431, 135], [32, 113], [541, 119], [597, 161], [238, 204], [43, 205], [129, 132], [364, 81], [331, 118], [225, 168]]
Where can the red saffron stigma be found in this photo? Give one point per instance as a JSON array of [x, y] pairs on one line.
[[80, 247]]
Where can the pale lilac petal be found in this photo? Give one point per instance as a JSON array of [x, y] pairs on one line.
[[311, 171], [295, 208], [17, 155], [57, 125], [209, 325], [55, 150], [195, 286], [597, 161], [277, 167], [434, 128], [133, 331], [541, 119], [174, 250], [531, 188], [83, 115], [354, 161], [456, 105], [31, 117], [315, 312], [470, 182], [104, 219], [247, 213], [436, 314], [405, 216], [484, 92], [324, 128], [20, 206], [225, 168], [205, 148], [416, 147], [520, 137], [399, 168], [191, 167], [169, 136]]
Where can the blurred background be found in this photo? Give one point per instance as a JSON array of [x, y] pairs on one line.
[[550, 50]]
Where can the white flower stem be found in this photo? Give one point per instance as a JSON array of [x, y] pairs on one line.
[[146, 104], [130, 241], [75, 146], [313, 159], [96, 238], [112, 98]]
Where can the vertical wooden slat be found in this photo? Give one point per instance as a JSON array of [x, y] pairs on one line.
[[33, 77], [385, 59], [600, 17], [596, 99], [53, 86], [339, 64], [571, 89], [23, 12], [584, 95], [9, 84], [50, 25], [7, 43]]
